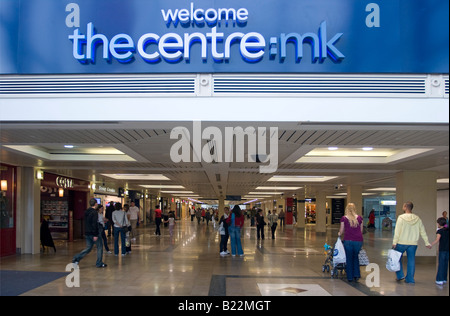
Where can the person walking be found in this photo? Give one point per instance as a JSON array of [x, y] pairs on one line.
[[273, 222], [236, 222], [223, 231], [408, 228], [171, 222], [102, 222], [158, 218], [281, 216], [352, 229], [121, 224], [260, 223], [443, 257], [108, 214], [133, 213], [91, 234]]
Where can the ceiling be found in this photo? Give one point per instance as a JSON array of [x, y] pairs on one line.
[[144, 147]]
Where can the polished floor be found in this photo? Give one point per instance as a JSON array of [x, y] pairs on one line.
[[189, 264]]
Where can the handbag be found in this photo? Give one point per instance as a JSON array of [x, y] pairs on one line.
[[363, 258], [393, 260]]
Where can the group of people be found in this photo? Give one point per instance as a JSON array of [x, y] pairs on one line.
[[408, 230], [122, 220]]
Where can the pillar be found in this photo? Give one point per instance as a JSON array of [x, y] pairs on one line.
[[301, 214], [221, 206], [420, 188], [29, 212], [321, 212], [354, 195]]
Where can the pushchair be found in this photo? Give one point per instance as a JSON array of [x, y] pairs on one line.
[[330, 266]]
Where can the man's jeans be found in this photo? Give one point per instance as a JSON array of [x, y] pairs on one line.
[[89, 245], [411, 265]]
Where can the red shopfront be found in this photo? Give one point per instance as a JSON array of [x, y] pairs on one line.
[[63, 202], [8, 202]]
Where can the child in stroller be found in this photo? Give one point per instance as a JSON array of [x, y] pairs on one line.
[[329, 265]]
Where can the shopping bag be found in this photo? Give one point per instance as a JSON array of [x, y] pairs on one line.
[[363, 258], [339, 253], [393, 260]]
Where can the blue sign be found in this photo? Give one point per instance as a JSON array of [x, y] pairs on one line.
[[218, 36]]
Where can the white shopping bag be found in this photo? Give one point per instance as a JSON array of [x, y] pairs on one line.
[[339, 252], [393, 261]]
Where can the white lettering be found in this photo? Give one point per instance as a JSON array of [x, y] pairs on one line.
[[73, 19]]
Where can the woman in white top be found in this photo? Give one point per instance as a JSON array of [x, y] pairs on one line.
[[121, 224]]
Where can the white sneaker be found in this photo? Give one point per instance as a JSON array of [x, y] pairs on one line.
[[440, 282], [223, 253]]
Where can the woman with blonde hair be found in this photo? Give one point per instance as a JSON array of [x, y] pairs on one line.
[[352, 228]]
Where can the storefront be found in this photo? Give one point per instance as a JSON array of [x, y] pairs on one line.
[[8, 201], [63, 202]]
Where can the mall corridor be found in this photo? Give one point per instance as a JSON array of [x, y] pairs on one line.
[[189, 264]]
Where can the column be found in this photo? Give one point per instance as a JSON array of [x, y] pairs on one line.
[[420, 188], [321, 212], [301, 214], [354, 195], [29, 211], [221, 206]]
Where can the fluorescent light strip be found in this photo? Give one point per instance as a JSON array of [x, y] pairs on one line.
[[278, 188], [162, 186], [148, 177], [301, 178], [178, 192]]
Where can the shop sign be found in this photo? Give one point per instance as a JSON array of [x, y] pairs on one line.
[[210, 36], [63, 182], [106, 189]]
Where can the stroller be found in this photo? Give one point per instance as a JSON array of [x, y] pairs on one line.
[[330, 266]]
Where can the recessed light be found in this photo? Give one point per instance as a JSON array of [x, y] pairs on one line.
[[333, 148], [68, 146], [367, 148]]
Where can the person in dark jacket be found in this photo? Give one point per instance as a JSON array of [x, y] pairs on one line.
[[91, 234]]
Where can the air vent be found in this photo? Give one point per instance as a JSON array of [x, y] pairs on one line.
[[120, 84], [446, 85], [343, 85]]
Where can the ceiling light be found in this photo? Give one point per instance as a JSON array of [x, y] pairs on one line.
[[301, 178], [367, 148], [333, 148], [278, 188], [178, 192], [148, 177], [264, 193], [442, 180], [68, 146], [383, 189], [161, 186]]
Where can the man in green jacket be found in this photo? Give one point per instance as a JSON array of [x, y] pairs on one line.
[[408, 229]]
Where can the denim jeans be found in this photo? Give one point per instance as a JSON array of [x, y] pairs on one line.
[[223, 242], [411, 265], [235, 236], [117, 231], [443, 266], [352, 249], [89, 245]]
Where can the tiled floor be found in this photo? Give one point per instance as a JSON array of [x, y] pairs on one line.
[[189, 265]]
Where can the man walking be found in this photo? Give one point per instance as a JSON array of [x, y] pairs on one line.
[[407, 231], [92, 236]]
